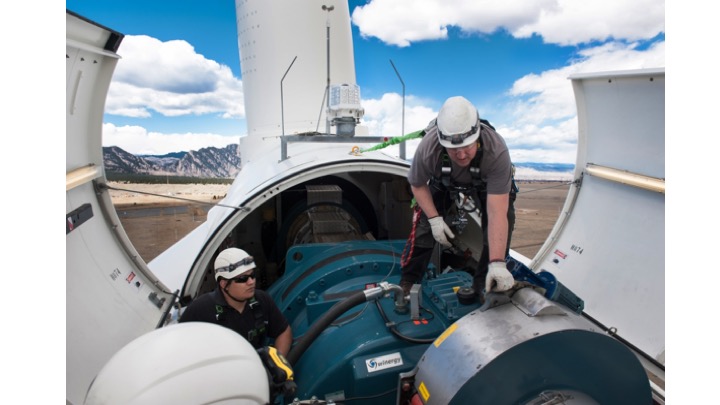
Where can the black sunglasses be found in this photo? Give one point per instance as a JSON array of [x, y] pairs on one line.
[[244, 278], [457, 139], [244, 262]]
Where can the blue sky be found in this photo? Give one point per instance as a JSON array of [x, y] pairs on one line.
[[510, 58]]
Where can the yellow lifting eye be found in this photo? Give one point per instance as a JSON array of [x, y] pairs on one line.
[[355, 150]]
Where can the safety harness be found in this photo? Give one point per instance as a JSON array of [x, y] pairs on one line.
[[478, 186], [256, 336], [476, 190], [444, 182]]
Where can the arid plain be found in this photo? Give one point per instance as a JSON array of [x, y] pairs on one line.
[[173, 210]]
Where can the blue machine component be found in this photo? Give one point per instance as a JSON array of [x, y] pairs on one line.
[[365, 348], [440, 293], [355, 340], [554, 290]]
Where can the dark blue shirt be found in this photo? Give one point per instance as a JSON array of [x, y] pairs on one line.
[[213, 308]]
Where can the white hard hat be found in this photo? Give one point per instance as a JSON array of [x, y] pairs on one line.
[[184, 363], [232, 262], [458, 123]]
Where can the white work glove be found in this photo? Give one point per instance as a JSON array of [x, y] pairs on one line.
[[440, 229], [498, 275]]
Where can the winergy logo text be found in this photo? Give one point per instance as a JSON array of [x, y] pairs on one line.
[[383, 362], [374, 364]]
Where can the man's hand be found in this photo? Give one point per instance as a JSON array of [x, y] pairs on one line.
[[440, 229], [498, 278]]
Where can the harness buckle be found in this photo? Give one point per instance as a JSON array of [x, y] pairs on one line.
[[460, 222]]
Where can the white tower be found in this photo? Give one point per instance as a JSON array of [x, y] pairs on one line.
[[282, 43]]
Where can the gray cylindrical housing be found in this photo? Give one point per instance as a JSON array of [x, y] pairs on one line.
[[510, 354]]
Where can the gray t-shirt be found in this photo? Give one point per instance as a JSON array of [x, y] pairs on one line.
[[495, 166]]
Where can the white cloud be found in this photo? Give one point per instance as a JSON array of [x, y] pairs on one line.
[[171, 79], [390, 21], [138, 141], [548, 96], [541, 109], [575, 22], [564, 22], [542, 144], [543, 124], [542, 128], [383, 117]]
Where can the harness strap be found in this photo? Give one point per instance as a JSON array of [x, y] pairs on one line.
[[444, 182], [257, 334]]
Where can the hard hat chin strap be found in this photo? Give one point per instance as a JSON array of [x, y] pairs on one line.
[[225, 289]]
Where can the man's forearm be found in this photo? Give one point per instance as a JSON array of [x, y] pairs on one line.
[[284, 341], [497, 207], [423, 197]]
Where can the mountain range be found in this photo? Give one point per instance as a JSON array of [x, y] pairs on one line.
[[207, 162], [225, 162]]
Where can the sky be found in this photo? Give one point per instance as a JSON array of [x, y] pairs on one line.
[[511, 59]]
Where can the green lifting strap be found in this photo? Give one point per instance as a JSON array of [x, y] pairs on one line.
[[391, 141]]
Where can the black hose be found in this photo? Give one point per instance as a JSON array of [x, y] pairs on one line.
[[397, 333], [319, 326]]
